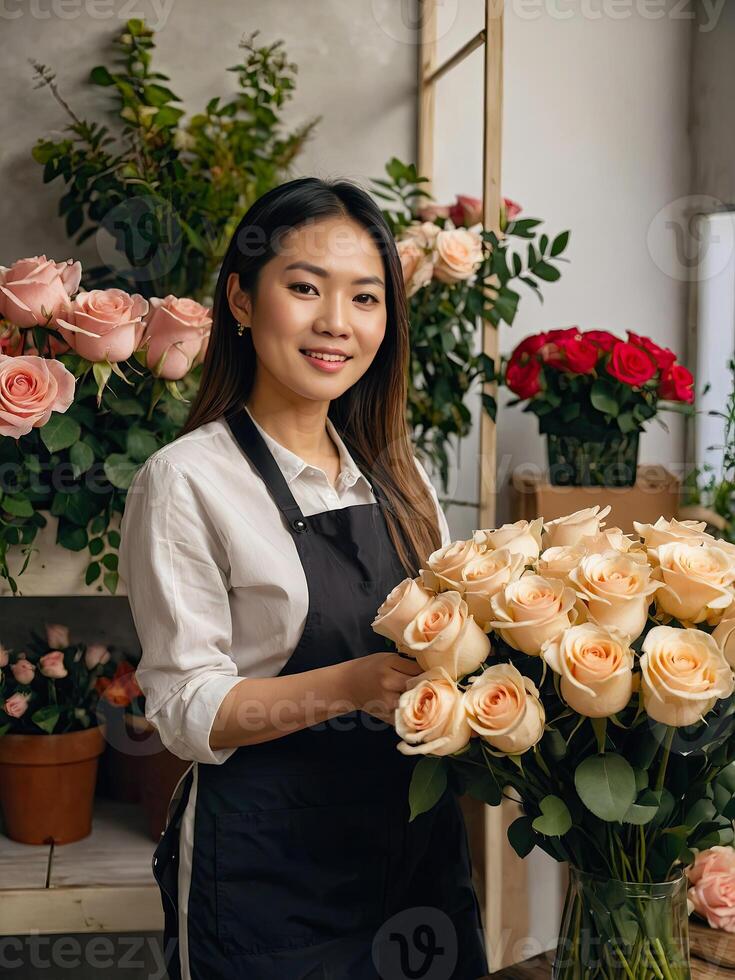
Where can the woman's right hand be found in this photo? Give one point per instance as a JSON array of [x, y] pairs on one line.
[[376, 681]]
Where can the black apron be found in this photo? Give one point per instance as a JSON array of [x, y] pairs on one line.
[[304, 863]]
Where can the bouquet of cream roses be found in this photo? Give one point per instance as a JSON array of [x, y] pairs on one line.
[[588, 675]]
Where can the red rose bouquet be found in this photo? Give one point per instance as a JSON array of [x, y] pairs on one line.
[[593, 392]]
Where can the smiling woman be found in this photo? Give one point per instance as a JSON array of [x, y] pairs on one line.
[[256, 548]]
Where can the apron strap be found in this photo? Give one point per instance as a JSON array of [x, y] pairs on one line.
[[256, 449]]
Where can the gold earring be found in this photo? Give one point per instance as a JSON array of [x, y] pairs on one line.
[[241, 327]]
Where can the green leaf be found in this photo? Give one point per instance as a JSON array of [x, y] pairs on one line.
[[428, 782], [60, 432], [602, 396], [47, 717], [520, 836], [555, 819], [140, 444], [101, 76], [120, 470], [17, 506], [92, 573], [548, 273], [643, 810], [81, 457], [560, 243], [606, 785]]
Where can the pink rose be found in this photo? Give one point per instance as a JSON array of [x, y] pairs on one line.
[[466, 211], [715, 860], [23, 670], [17, 704], [105, 323], [430, 212], [174, 332], [510, 210], [34, 291], [417, 265], [4, 656], [57, 635], [30, 389], [52, 664], [712, 894], [95, 655]]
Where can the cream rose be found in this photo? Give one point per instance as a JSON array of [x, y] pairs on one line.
[[424, 233], [95, 655], [399, 608], [430, 717], [683, 675], [503, 707], [724, 636], [697, 580], [35, 290], [559, 561], [532, 610], [4, 656], [595, 664], [104, 324], [417, 265], [444, 634], [31, 388], [521, 537], [17, 704], [23, 670], [570, 530], [613, 539], [174, 333], [616, 589], [458, 254], [445, 565], [667, 532]]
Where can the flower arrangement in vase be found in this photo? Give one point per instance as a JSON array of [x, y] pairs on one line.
[[50, 736], [587, 675], [593, 392]]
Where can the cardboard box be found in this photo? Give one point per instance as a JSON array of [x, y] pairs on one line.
[[656, 493]]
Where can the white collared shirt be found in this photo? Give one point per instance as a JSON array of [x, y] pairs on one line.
[[213, 577]]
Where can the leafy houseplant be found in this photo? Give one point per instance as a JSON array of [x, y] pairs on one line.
[[593, 392], [589, 676], [168, 193], [50, 739], [456, 272]]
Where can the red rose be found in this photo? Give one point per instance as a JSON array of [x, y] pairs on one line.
[[523, 378], [529, 345], [631, 365], [604, 340], [677, 385], [564, 332], [663, 357], [580, 356]]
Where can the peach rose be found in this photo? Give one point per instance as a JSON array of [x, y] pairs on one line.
[[23, 670], [430, 717], [712, 894], [31, 388], [595, 664], [95, 655], [571, 529], [444, 566], [423, 233], [666, 532], [503, 707], [104, 324], [4, 656], [52, 664], [417, 265], [683, 675], [697, 580], [521, 537], [532, 610], [35, 290], [17, 704], [57, 635], [724, 636], [613, 539], [399, 608], [559, 561], [444, 634], [174, 332], [459, 254], [484, 576], [616, 589]]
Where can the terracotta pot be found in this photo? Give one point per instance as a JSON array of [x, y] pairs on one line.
[[47, 785], [161, 772]]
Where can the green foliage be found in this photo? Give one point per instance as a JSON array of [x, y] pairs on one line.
[[169, 192]]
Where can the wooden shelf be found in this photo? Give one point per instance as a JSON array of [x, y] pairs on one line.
[[103, 883]]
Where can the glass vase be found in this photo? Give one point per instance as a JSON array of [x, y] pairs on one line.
[[617, 929], [610, 460]]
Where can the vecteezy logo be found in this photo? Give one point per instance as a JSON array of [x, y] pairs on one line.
[[416, 944], [146, 233]]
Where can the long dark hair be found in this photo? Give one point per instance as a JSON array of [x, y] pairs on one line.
[[371, 415]]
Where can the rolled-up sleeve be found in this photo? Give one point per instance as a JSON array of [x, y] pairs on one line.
[[443, 525], [175, 571]]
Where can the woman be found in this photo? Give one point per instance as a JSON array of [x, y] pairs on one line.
[[256, 549]]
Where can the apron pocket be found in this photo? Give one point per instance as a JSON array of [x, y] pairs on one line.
[[294, 877]]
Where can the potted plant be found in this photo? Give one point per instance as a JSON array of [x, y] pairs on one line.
[[139, 767], [589, 676], [457, 271], [593, 393], [50, 738]]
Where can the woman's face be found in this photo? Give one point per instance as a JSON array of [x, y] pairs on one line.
[[323, 290]]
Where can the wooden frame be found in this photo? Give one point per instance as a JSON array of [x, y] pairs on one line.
[[502, 877]]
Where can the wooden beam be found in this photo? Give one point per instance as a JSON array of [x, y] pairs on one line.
[[457, 58], [427, 92]]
